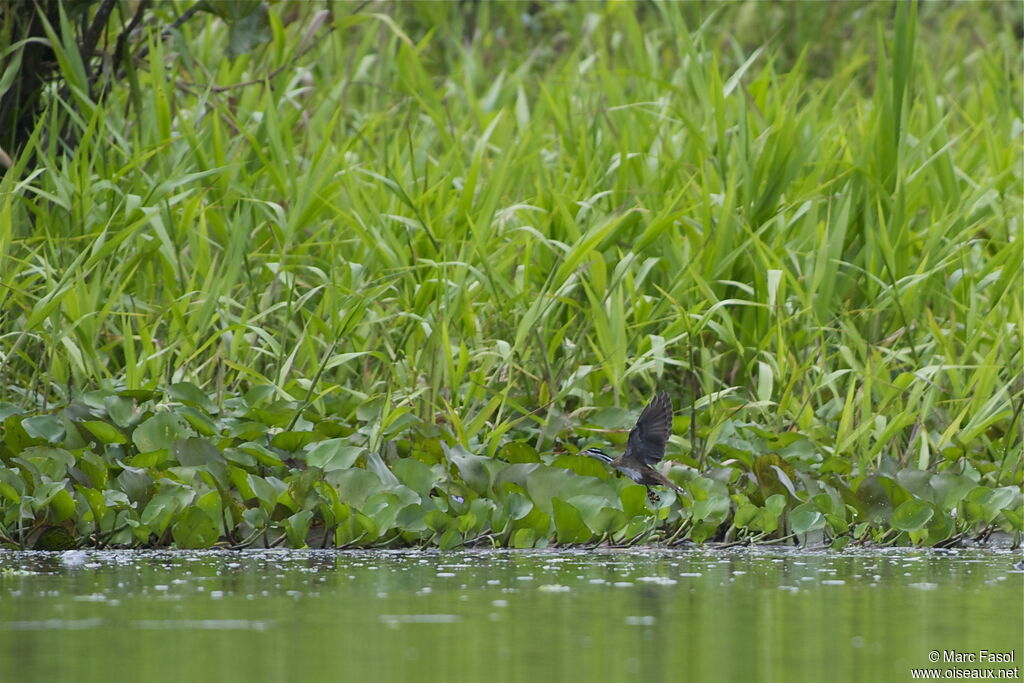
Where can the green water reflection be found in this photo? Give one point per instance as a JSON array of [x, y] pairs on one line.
[[501, 616]]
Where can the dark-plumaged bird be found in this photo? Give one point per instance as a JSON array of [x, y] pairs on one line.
[[645, 447]]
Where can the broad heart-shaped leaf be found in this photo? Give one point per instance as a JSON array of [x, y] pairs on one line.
[[805, 517], [355, 485], [582, 465], [875, 498], [523, 538], [195, 452], [950, 489], [194, 529], [46, 427], [333, 454], [917, 482], [416, 475], [297, 528], [104, 432], [519, 452], [634, 500], [912, 515], [545, 483], [569, 526], [190, 394], [164, 505], [159, 431], [50, 461], [472, 468]]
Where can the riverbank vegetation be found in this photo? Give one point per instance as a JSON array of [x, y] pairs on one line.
[[371, 274]]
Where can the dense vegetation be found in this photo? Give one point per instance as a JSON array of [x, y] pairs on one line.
[[375, 281]]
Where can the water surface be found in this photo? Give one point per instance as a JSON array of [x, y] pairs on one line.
[[638, 615]]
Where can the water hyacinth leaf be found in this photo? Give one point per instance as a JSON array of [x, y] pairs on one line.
[[912, 515], [141, 395], [195, 452], [412, 518], [93, 467], [545, 483], [257, 518], [450, 539], [472, 468], [776, 504], [265, 491], [569, 526], [194, 529], [608, 520], [104, 432], [1001, 498], [519, 452], [375, 464], [333, 454], [416, 475], [438, 521], [296, 528], [941, 526], [355, 485], [198, 421], [383, 509], [744, 514], [293, 441], [536, 519], [875, 498], [159, 431], [62, 506], [582, 465], [264, 456], [523, 538], [152, 459], [135, 482], [805, 517], [950, 489], [917, 482], [49, 428], [634, 500], [517, 475], [11, 485], [49, 461], [124, 412], [95, 501], [192, 396]]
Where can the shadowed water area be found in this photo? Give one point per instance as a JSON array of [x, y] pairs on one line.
[[649, 615]]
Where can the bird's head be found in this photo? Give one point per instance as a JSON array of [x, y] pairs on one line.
[[596, 453]]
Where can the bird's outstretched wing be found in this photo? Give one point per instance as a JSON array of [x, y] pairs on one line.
[[648, 438]]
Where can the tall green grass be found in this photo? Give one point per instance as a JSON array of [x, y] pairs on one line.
[[805, 216]]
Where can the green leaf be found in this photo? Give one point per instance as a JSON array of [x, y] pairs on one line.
[[518, 452], [333, 454], [195, 452], [104, 432], [912, 515], [472, 468], [950, 489], [191, 395], [46, 427], [194, 529], [805, 517], [159, 431], [416, 475], [569, 526], [355, 485], [293, 441], [296, 528], [523, 538]]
